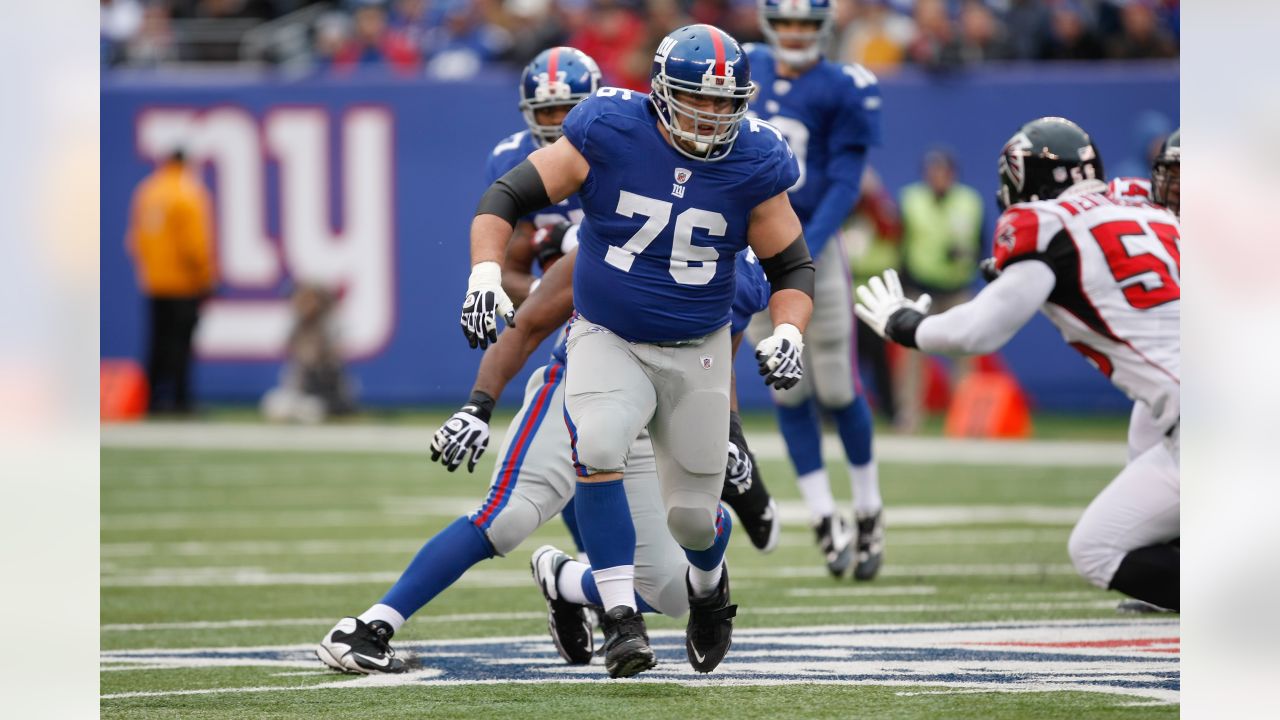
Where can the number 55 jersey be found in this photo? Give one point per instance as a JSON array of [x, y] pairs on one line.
[[657, 244], [1116, 297]]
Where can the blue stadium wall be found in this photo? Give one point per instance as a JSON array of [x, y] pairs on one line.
[[391, 170]]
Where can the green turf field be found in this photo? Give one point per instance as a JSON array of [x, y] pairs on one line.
[[219, 559]]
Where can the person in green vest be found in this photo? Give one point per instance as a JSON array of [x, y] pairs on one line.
[[870, 237], [941, 247]]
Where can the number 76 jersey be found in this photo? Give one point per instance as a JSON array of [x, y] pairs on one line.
[[1116, 298], [657, 246]]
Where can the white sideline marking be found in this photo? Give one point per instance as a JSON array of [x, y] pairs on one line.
[[415, 441], [256, 576], [408, 512], [320, 546]]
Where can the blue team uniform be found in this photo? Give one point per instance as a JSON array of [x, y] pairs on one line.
[[512, 151], [655, 220], [830, 115]]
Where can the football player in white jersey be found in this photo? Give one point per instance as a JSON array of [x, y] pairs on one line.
[[1106, 273]]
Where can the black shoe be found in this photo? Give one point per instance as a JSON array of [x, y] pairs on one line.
[[756, 511], [836, 542], [870, 546], [709, 633], [567, 622], [626, 643], [354, 646]]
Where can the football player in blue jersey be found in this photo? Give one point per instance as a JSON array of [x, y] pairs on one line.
[[550, 86], [830, 115], [673, 185]]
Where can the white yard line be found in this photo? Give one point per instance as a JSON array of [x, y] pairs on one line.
[[414, 440], [324, 546], [239, 576], [408, 512]]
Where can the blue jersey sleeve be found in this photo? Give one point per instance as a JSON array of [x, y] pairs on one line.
[[858, 124], [578, 123]]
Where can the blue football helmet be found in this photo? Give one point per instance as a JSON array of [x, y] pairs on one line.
[[702, 61], [821, 12], [558, 76]]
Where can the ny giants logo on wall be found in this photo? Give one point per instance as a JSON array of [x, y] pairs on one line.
[[290, 154]]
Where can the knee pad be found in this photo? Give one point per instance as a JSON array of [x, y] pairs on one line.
[[1092, 560], [693, 527], [513, 525]]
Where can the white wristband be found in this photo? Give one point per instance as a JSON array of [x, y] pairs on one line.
[[534, 285], [787, 331], [485, 274]]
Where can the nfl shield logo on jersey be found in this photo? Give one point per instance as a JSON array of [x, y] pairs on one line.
[[706, 362], [683, 175]]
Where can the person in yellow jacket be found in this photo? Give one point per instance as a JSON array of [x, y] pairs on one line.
[[170, 239], [941, 248]]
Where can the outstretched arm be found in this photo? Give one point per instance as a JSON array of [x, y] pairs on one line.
[[980, 326]]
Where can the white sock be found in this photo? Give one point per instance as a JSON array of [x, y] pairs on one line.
[[569, 584], [385, 613], [816, 489], [704, 582], [617, 586], [865, 480]]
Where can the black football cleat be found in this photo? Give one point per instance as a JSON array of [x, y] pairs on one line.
[[570, 629], [709, 634], [836, 543], [870, 546], [353, 646], [626, 643]]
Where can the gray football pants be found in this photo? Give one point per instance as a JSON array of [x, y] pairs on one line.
[[534, 479], [680, 392], [828, 340]]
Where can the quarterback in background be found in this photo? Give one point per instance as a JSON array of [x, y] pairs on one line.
[[830, 115], [673, 186], [1106, 273]]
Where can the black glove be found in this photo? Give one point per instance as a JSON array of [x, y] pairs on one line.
[[989, 270], [465, 435]]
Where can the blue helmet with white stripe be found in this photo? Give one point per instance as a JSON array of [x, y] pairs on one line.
[[560, 76], [806, 44], [699, 84]]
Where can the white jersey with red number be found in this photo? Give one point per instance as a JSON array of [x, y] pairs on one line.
[[1129, 189], [1116, 294]]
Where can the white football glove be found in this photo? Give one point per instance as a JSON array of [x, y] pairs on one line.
[[738, 470], [779, 357], [463, 436], [879, 299], [484, 297]]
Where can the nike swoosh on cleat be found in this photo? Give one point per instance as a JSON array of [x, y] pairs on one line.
[[697, 655], [385, 661]]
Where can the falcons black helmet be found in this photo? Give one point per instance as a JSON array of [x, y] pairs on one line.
[[1043, 158], [1166, 172]]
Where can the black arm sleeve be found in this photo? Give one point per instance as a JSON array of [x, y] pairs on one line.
[[515, 194], [902, 326], [791, 269]]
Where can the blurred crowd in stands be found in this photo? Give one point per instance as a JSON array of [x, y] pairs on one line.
[[459, 38]]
